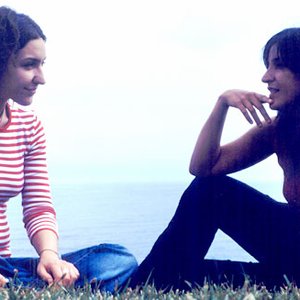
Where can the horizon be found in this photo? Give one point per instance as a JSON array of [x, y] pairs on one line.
[[129, 85]]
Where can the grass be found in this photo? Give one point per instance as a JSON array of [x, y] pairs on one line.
[[207, 291]]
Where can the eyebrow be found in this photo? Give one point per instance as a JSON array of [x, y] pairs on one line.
[[275, 60], [32, 59]]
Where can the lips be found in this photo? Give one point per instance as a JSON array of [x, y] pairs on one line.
[[273, 91], [31, 90]]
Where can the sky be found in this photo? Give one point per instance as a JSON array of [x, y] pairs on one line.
[[130, 83]]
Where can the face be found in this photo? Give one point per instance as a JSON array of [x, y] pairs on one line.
[[283, 85], [24, 73]]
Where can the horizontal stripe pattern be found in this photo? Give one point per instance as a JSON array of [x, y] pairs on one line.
[[23, 169]]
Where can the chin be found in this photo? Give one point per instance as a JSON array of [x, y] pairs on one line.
[[280, 105], [273, 106], [24, 102]]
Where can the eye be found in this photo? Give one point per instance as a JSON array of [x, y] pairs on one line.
[[28, 65], [31, 64], [278, 63]]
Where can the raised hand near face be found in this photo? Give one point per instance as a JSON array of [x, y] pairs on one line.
[[249, 103]]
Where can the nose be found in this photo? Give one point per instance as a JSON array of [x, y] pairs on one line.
[[39, 77], [268, 76]]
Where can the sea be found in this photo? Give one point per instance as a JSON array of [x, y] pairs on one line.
[[131, 214]]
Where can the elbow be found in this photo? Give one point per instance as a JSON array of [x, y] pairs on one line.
[[201, 168], [193, 171], [198, 171]]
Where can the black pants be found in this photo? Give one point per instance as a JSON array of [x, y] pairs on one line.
[[267, 229]]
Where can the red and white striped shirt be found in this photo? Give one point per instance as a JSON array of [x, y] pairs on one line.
[[23, 169]]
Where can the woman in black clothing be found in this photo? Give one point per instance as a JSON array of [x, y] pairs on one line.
[[267, 229]]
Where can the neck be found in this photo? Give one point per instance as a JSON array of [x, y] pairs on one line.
[[2, 104], [290, 114], [3, 115]]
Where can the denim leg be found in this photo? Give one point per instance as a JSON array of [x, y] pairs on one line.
[[108, 266], [23, 270], [267, 229]]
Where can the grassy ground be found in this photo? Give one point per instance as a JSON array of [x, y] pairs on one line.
[[226, 292]]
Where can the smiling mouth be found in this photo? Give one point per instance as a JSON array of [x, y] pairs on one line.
[[31, 91], [273, 91]]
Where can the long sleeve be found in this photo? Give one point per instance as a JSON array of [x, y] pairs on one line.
[[23, 170], [38, 210]]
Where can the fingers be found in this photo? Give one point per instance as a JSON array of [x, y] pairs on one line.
[[45, 275], [250, 104], [66, 274], [69, 275], [62, 273]]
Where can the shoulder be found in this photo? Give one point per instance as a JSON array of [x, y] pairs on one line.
[[24, 122]]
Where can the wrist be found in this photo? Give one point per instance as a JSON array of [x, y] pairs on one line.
[[222, 101], [48, 250]]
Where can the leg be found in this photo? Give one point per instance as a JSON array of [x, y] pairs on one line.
[[173, 254], [267, 229], [23, 270], [250, 217], [107, 266]]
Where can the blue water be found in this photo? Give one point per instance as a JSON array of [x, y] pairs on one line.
[[131, 214]]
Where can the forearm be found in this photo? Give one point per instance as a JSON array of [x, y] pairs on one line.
[[207, 148], [45, 240]]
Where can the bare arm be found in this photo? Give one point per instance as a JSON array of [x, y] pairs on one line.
[[209, 158]]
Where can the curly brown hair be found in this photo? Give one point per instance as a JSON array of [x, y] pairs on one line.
[[16, 30]]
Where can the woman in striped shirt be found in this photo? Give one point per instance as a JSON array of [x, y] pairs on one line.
[[22, 144], [23, 170]]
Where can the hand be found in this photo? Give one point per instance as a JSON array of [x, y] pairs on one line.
[[248, 103], [52, 269], [3, 281]]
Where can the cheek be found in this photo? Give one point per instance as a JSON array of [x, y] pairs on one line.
[[22, 76], [292, 85], [297, 88]]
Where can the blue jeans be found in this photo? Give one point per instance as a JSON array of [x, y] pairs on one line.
[[108, 266]]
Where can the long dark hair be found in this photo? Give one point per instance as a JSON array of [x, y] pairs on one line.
[[16, 30], [287, 43]]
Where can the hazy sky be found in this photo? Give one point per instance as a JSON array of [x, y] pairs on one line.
[[130, 83]]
